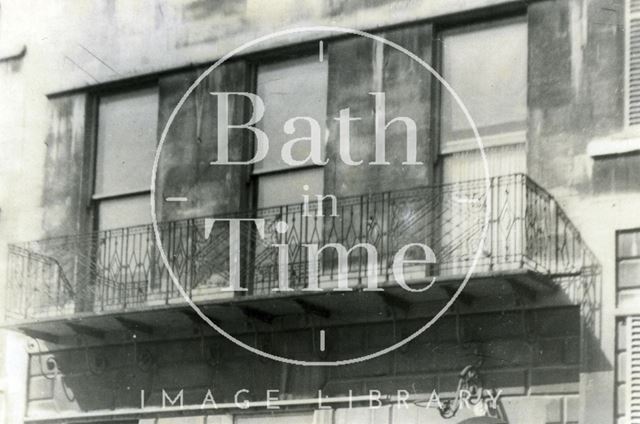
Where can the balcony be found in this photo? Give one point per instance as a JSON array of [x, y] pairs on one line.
[[528, 242]]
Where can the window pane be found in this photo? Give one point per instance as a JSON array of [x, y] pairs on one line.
[[487, 67], [124, 212], [127, 125], [629, 244], [289, 89], [629, 273], [287, 188]]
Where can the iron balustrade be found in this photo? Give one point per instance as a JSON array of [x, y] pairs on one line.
[[121, 269]]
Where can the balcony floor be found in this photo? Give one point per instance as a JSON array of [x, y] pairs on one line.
[[287, 311]]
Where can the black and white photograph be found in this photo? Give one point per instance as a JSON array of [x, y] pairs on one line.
[[319, 211]]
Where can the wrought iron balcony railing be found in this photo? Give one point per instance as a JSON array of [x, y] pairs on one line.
[[121, 269]]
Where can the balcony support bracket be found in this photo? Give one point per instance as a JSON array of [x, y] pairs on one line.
[[257, 314], [522, 293], [312, 309], [41, 335], [86, 330], [135, 326], [395, 302], [465, 298], [197, 320]]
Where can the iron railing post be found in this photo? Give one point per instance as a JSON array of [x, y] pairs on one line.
[[170, 259]]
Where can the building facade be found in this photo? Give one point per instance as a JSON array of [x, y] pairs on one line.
[[544, 214]]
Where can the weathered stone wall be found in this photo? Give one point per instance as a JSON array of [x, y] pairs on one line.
[[116, 39], [576, 96], [575, 89], [66, 194]]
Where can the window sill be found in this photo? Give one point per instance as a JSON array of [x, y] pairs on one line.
[[273, 171], [107, 196], [625, 142]]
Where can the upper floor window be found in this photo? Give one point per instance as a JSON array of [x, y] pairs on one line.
[[486, 64], [290, 88], [632, 77], [628, 260], [127, 126]]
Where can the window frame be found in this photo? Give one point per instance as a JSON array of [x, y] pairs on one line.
[[465, 144], [619, 259], [94, 199], [290, 53]]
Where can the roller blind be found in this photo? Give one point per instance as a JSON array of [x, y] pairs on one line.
[[127, 126], [495, 92], [633, 370]]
